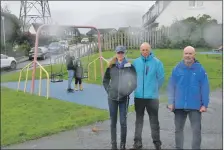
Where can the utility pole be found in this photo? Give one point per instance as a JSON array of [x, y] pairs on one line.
[[34, 12]]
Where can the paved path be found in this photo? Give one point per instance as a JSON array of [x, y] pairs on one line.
[[84, 138]]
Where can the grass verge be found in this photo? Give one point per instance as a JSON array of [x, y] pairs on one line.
[[25, 116]]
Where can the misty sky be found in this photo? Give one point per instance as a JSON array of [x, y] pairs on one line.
[[102, 14]]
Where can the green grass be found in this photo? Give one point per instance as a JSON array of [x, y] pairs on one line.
[[25, 116], [212, 64]]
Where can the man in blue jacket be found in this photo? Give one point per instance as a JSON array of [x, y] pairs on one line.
[[188, 95], [150, 77]]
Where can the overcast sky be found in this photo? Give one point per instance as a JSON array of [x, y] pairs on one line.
[[102, 14]]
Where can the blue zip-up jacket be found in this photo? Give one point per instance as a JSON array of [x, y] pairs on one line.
[[188, 87], [150, 77]]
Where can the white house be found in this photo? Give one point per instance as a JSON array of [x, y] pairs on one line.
[[164, 13]]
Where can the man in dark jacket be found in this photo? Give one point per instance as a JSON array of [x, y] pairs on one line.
[[188, 95], [119, 82], [70, 68], [150, 77]]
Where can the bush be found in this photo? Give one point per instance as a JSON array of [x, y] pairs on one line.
[[180, 44], [164, 42], [25, 47]]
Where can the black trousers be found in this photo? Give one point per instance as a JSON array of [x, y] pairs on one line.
[[152, 108], [123, 110], [78, 80]]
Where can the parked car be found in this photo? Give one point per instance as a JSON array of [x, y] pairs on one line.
[[85, 40], [8, 62], [42, 53], [64, 44], [55, 48]]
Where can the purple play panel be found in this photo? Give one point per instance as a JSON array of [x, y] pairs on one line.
[[92, 95]]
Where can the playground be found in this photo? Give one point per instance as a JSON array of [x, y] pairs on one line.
[[35, 107]]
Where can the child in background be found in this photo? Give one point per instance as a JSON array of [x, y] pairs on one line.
[[78, 74]]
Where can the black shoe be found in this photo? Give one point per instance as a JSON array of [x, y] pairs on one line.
[[70, 90], [122, 146], [114, 147], [157, 146], [136, 146]]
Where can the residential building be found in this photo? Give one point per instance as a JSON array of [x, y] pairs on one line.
[[164, 13]]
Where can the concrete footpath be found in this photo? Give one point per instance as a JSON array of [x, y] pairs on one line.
[[84, 138]]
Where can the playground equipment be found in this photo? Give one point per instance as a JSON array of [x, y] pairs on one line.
[[36, 50], [27, 72], [94, 62], [57, 76]]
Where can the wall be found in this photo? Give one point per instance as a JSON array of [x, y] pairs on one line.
[[178, 10]]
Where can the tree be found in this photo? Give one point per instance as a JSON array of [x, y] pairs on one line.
[[12, 26]]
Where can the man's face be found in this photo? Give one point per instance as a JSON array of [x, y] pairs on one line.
[[189, 56], [145, 50]]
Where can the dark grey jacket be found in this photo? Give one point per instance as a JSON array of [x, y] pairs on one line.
[[69, 62], [120, 83], [78, 69]]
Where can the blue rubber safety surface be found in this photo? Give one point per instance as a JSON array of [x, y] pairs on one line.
[[92, 95]]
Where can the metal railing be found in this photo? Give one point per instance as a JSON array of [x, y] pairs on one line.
[[94, 61], [27, 72]]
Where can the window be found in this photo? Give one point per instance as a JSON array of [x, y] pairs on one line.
[[199, 3], [195, 3], [192, 3], [3, 57]]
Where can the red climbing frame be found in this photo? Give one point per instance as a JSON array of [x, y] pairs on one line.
[[36, 47]]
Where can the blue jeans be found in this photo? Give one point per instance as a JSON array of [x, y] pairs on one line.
[[70, 77], [195, 120], [123, 109]]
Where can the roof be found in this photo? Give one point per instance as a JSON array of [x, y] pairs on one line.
[[102, 31]]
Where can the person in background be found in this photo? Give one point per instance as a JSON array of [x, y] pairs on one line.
[[119, 82], [78, 74], [70, 68], [188, 95], [150, 77]]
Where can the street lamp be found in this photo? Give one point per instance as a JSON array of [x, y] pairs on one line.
[[3, 26]]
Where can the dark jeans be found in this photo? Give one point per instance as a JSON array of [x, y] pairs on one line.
[[152, 107], [195, 120], [78, 80], [123, 109]]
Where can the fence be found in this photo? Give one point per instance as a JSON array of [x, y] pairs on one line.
[[155, 37]]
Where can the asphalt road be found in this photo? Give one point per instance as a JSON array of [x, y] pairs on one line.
[[45, 62], [84, 138]]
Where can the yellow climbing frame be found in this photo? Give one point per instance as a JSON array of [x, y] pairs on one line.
[[94, 62], [27, 72]]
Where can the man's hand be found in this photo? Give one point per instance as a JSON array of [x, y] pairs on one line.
[[170, 107], [203, 109]]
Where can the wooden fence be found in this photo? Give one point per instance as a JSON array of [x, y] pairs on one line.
[[154, 37], [133, 40]]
